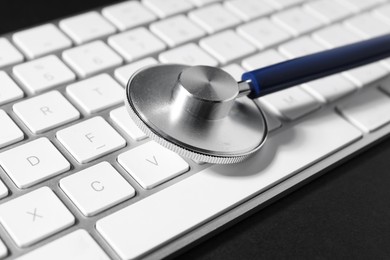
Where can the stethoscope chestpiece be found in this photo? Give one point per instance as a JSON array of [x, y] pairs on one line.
[[197, 112]]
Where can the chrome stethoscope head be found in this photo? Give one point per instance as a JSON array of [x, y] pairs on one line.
[[198, 112]]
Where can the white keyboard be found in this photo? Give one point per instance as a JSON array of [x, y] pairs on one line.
[[79, 180]]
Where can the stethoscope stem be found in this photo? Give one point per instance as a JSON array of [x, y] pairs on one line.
[[300, 70]]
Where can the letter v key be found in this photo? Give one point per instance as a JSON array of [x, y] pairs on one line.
[[154, 161]]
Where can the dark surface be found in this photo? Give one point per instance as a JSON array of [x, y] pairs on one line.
[[343, 214]]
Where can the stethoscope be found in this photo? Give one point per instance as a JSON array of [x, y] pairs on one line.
[[200, 112]]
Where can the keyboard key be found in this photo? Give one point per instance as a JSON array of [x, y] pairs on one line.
[[121, 118], [136, 44], [78, 245], [168, 7], [9, 91], [45, 112], [10, 132], [290, 103], [262, 59], [330, 88], [3, 249], [189, 54], [203, 2], [382, 12], [328, 10], [366, 74], [96, 94], [360, 5], [226, 46], [41, 40], [135, 230], [86, 27], [368, 111], [127, 15], [283, 4], [367, 26], [39, 158], [214, 18], [176, 30], [151, 164], [336, 36], [249, 9], [3, 193], [43, 74], [263, 33], [90, 139], [9, 54], [300, 47], [234, 70], [124, 73], [34, 216], [91, 58], [96, 188], [297, 21]]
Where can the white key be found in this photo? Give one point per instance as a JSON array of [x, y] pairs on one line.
[[330, 88], [328, 10], [3, 249], [366, 74], [368, 111], [300, 47], [226, 46], [96, 94], [91, 58], [45, 112], [90, 139], [359, 5], [214, 18], [96, 188], [34, 216], [78, 245], [262, 59], [367, 26], [151, 164], [39, 158], [127, 15], [124, 73], [167, 8], [203, 2], [135, 230], [234, 70], [176, 30], [336, 36], [8, 54], [9, 91], [121, 118], [263, 33], [290, 103], [189, 54], [43, 73], [383, 12], [86, 27], [136, 44], [41, 40], [282, 4], [9, 132], [297, 21], [249, 9], [3, 193]]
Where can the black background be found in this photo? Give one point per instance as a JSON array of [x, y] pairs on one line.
[[343, 214]]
